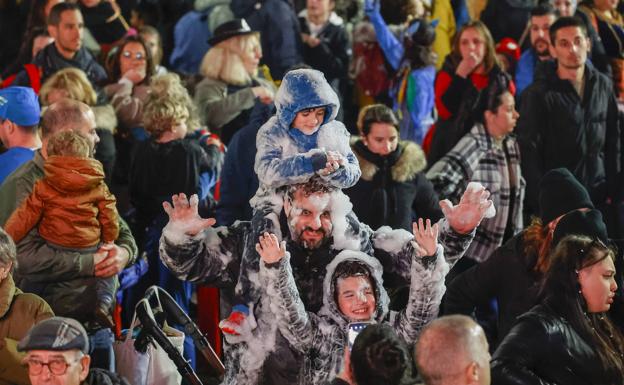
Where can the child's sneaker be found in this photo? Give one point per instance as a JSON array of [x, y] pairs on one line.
[[103, 316], [236, 322]]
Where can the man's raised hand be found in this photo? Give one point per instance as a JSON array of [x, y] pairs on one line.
[[184, 215], [269, 248], [473, 206]]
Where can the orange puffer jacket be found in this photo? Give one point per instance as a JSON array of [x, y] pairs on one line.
[[71, 204]]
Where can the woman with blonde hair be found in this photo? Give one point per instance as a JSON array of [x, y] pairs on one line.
[[228, 92], [72, 83]]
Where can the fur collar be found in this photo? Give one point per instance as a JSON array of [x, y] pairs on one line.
[[411, 162]]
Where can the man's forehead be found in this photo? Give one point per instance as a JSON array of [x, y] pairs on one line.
[[542, 19], [71, 16], [318, 200], [569, 33]]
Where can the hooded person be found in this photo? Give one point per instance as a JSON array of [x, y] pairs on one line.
[[353, 291], [301, 141]]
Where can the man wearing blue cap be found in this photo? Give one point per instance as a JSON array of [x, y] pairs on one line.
[[19, 120], [57, 352]]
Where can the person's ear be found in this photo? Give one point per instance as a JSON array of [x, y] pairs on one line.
[[85, 363], [589, 46], [53, 31], [488, 116], [287, 205], [472, 373], [551, 49]]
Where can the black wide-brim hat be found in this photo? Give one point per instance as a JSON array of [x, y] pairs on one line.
[[232, 28]]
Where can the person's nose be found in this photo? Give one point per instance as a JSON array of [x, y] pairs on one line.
[[316, 223]]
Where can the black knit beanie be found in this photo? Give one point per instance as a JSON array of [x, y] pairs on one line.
[[560, 192], [588, 223]]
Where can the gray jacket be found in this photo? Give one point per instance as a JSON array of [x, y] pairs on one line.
[[216, 107], [213, 257], [322, 338]]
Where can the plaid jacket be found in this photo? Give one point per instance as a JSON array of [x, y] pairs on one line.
[[476, 158]]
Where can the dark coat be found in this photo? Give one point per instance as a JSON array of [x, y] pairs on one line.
[[159, 170], [51, 61], [331, 56], [280, 35], [103, 377], [239, 182], [558, 129], [506, 275], [392, 190], [544, 348]]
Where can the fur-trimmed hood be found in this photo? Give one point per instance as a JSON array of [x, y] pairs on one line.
[[411, 161]]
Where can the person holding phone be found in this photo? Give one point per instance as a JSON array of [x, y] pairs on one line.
[[353, 292]]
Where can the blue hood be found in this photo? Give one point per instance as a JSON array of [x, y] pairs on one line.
[[302, 89]]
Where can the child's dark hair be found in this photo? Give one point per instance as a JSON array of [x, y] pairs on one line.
[[379, 356], [352, 269], [375, 113], [417, 45]]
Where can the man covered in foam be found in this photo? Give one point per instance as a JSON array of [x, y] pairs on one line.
[[317, 227], [302, 140]]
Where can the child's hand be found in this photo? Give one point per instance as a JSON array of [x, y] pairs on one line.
[[426, 237], [336, 157], [269, 248], [334, 161]]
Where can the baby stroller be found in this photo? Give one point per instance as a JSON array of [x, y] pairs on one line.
[[153, 310]]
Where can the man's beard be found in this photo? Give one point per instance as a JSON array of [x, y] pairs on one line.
[[545, 52], [311, 246]]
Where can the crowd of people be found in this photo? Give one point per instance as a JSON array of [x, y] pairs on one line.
[[382, 191]]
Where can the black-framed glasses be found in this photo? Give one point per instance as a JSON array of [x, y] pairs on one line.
[[138, 55], [58, 367]]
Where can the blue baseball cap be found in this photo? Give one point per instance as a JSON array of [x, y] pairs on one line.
[[20, 105]]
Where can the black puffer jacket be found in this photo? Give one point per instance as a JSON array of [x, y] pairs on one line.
[[558, 129], [543, 348], [392, 187]]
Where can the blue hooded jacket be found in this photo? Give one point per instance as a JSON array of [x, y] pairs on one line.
[[285, 155]]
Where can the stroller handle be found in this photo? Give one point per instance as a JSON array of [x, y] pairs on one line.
[[160, 300]]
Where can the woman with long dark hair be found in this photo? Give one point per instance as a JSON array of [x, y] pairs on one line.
[[568, 338]]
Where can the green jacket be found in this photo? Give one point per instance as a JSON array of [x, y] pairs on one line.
[[64, 278]]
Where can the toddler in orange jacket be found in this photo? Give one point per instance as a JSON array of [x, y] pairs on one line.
[[71, 207]]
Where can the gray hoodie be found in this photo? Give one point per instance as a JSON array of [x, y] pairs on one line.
[[322, 337]]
